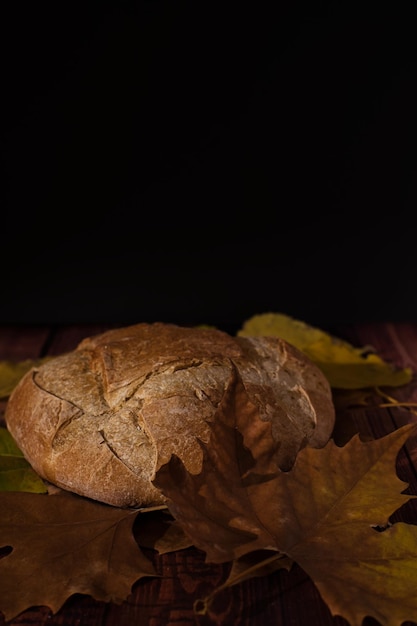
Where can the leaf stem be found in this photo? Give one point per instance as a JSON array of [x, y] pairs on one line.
[[202, 605], [392, 402]]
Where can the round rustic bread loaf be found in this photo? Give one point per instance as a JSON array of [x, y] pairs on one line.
[[99, 421]]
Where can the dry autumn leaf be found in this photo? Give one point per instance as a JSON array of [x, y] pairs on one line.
[[65, 544], [323, 514], [213, 507], [16, 474], [345, 366]]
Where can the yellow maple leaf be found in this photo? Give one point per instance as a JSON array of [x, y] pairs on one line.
[[11, 372], [345, 366], [16, 474]]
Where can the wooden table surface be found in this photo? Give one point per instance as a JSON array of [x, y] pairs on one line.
[[279, 599]]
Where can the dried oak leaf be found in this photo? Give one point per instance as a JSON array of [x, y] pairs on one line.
[[65, 544], [323, 514], [344, 366]]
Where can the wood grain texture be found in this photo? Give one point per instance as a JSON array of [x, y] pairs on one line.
[[279, 599]]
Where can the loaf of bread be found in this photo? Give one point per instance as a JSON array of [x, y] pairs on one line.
[[99, 421]]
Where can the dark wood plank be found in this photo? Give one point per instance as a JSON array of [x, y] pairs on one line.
[[281, 598], [67, 338], [22, 342]]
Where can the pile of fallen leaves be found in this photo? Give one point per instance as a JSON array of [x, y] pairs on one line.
[[330, 514]]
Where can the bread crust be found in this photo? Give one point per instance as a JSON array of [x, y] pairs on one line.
[[100, 420]]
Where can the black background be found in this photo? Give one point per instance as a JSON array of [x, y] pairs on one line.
[[202, 162]]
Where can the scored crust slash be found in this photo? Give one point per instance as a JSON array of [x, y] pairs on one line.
[[100, 420]]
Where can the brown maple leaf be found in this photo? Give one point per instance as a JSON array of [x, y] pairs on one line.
[[214, 506], [323, 514], [65, 544]]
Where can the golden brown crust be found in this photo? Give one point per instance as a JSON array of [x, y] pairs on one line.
[[100, 420]]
